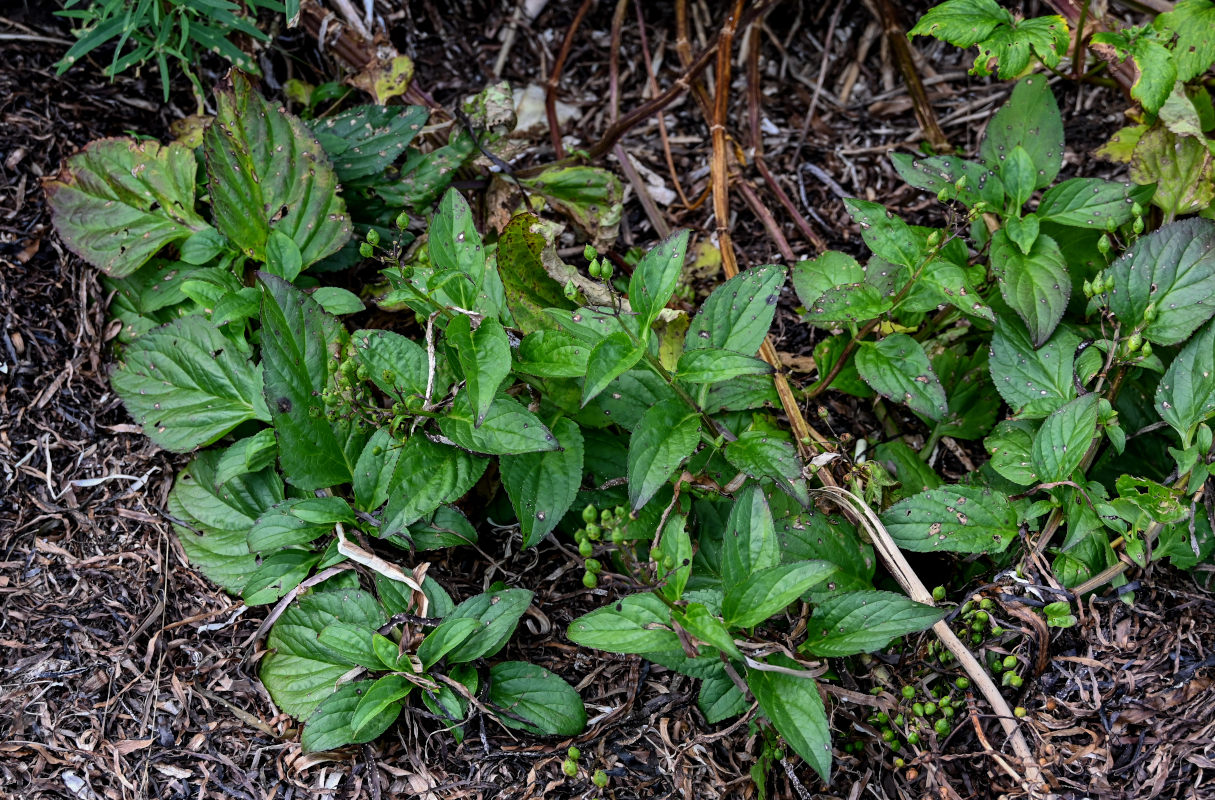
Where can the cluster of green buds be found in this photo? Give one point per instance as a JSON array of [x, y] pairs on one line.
[[1005, 666], [599, 268], [1137, 222], [930, 710], [347, 374], [570, 767], [1099, 285], [944, 196], [368, 246], [598, 525]]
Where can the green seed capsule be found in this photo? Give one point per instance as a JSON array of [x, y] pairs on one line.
[[593, 566], [617, 536], [588, 514], [941, 727], [1134, 342], [987, 604], [593, 269], [960, 183], [600, 778], [373, 236], [938, 594], [655, 555], [593, 531], [1010, 662], [900, 763], [996, 630], [569, 767], [1015, 681], [913, 738], [947, 712], [590, 580], [585, 548], [981, 617], [1088, 288], [1146, 350], [930, 709], [1137, 225], [402, 220], [899, 720], [605, 270], [366, 250], [1136, 210], [1104, 244], [908, 692], [589, 252], [962, 683], [943, 195], [881, 718], [934, 239], [574, 753], [887, 735], [894, 745], [1019, 712], [1149, 313], [917, 709]]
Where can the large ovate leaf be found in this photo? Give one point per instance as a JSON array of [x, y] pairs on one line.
[[507, 428], [1193, 21], [655, 276], [299, 671], [639, 623], [212, 518], [542, 486], [888, 236], [427, 475], [609, 359], [118, 202], [959, 519], [395, 363], [1035, 284], [768, 591], [1186, 395], [1173, 269], [665, 437], [1031, 120], [332, 724], [749, 543], [529, 287], [552, 354], [720, 699], [1009, 446], [794, 707], [267, 173], [737, 315], [298, 341], [1034, 382], [1061, 442], [1091, 203], [935, 173], [1181, 167], [768, 454], [378, 705], [533, 699], [862, 622], [187, 385], [500, 613], [711, 365], [589, 196], [484, 358], [898, 368], [365, 140]]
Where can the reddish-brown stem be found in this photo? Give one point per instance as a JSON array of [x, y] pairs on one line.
[[550, 94]]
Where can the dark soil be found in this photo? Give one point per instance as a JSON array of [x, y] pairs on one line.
[[124, 674]]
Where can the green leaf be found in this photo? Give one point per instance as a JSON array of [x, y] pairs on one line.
[[738, 313], [118, 202], [1186, 395], [535, 700], [665, 437], [1009, 446], [187, 385], [608, 360], [1193, 21], [300, 672], [832, 287], [1023, 231], [508, 428], [499, 612], [337, 301], [862, 622], [283, 257], [484, 357], [639, 623], [374, 470], [898, 369], [794, 707], [962, 23], [1034, 382], [1017, 172], [1179, 166], [352, 642], [749, 543], [697, 620], [426, 476], [1172, 268], [888, 236], [395, 363], [528, 286], [453, 240], [298, 340], [212, 518], [710, 365], [331, 727], [1154, 65], [1090, 203], [676, 548], [590, 197], [768, 454], [1030, 119], [1036, 284], [250, 454], [278, 528], [382, 701], [720, 699], [450, 634], [267, 173], [935, 173], [768, 591], [1063, 439], [1012, 46], [552, 354], [365, 140], [958, 519], [543, 486], [655, 276]]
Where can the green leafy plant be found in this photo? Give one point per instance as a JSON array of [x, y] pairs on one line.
[[144, 31]]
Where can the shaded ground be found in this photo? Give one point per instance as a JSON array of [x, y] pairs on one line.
[[125, 675]]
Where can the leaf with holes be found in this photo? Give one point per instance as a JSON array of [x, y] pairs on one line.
[[1091, 203], [188, 385], [739, 312], [665, 437], [426, 475], [528, 286], [1186, 395], [267, 173], [898, 369], [365, 140], [1194, 23], [1030, 119], [543, 486], [639, 623], [117, 202], [1036, 284], [958, 519], [1034, 382], [609, 359], [1172, 269], [1061, 442]]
